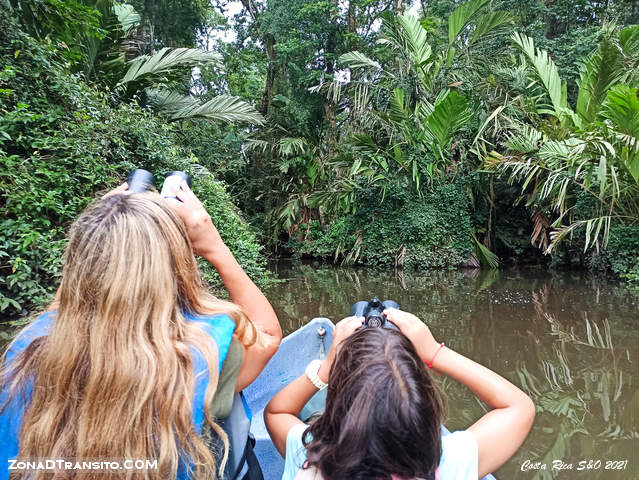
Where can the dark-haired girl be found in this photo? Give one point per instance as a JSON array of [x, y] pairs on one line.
[[383, 411]]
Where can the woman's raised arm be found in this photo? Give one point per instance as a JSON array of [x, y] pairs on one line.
[[207, 242]]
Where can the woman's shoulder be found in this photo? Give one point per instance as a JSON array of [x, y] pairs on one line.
[[460, 460], [219, 326], [40, 327]]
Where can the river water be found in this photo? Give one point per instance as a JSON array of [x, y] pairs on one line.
[[570, 341]]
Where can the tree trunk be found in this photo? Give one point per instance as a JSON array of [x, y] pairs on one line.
[[352, 21], [399, 7], [271, 68], [329, 107]]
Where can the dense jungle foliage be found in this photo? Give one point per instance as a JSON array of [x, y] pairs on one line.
[[64, 142], [439, 133]]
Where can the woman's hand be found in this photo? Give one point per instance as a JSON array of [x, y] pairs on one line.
[[204, 236], [417, 332], [341, 332]]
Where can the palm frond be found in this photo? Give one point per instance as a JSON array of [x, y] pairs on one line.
[[629, 41], [408, 37], [621, 109], [255, 144], [489, 24], [167, 60], [415, 39], [593, 226], [167, 101], [461, 17], [127, 16], [223, 107], [525, 139], [601, 70], [547, 72], [449, 116], [292, 146], [357, 59], [399, 110], [485, 256]]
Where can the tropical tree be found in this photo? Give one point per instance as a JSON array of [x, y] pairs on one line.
[[404, 117], [402, 114], [106, 39], [578, 165]]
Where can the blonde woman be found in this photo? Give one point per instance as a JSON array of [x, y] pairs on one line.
[[126, 364]]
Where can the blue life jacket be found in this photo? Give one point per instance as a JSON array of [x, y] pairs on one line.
[[219, 327]]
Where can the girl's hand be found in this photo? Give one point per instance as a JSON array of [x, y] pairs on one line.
[[417, 332], [342, 331], [204, 236]]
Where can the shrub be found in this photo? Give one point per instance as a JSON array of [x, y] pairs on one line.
[[621, 252], [432, 231]]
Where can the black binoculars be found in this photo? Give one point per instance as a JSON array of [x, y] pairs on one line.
[[373, 313], [141, 180]]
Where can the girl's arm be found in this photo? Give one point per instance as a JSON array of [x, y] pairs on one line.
[[280, 415], [501, 431], [207, 242]]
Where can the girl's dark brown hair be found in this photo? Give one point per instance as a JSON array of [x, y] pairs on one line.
[[383, 412]]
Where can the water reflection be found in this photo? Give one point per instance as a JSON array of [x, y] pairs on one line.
[[570, 341]]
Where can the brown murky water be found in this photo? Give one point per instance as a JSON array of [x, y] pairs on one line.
[[571, 342]]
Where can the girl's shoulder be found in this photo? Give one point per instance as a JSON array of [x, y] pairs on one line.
[[460, 457], [295, 452]]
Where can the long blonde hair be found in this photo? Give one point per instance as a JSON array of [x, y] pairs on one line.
[[114, 378]]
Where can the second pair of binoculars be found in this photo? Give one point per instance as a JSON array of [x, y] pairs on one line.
[[140, 180]]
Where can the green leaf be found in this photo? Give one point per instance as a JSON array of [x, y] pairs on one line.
[[127, 16], [491, 22], [449, 116], [461, 17], [629, 41], [399, 111], [167, 60], [621, 109], [601, 70], [358, 60], [485, 256], [406, 35], [293, 146], [547, 72], [223, 107]]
